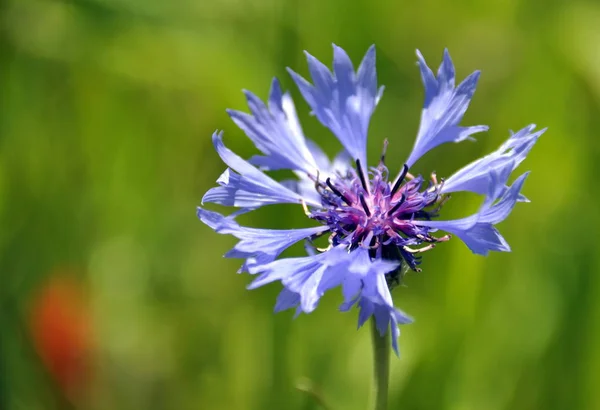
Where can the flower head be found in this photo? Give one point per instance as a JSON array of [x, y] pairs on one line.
[[377, 226]]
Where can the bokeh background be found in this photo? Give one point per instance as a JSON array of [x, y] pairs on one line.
[[114, 296]]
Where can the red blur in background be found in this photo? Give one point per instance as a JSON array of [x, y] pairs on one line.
[[59, 322]]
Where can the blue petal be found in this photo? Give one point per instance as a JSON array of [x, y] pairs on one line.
[[249, 187], [374, 297], [306, 279], [305, 185], [343, 101], [310, 276], [367, 308], [475, 177], [321, 158], [230, 194], [444, 108], [287, 300], [276, 132], [482, 238], [376, 300], [382, 318], [478, 231], [497, 212], [351, 287], [262, 245], [363, 266]]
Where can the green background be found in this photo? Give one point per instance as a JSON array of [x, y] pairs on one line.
[[107, 108]]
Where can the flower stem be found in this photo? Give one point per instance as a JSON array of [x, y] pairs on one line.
[[381, 367]]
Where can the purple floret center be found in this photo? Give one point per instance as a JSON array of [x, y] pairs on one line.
[[377, 214]]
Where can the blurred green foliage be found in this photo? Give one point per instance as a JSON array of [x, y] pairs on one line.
[[107, 107]]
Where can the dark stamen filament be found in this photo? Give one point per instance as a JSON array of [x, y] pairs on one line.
[[364, 205], [361, 175], [398, 205], [335, 191], [400, 179]]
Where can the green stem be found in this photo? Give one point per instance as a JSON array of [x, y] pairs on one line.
[[381, 367]]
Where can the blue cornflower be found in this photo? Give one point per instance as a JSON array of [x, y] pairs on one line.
[[377, 226]]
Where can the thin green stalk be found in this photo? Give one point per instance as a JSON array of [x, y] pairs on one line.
[[381, 367]]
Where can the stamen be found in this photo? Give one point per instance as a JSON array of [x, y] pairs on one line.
[[425, 238], [398, 205], [444, 238], [431, 239], [441, 203], [385, 146], [319, 186], [419, 250], [400, 179], [361, 175], [324, 249], [442, 181], [434, 178], [338, 193], [436, 187], [364, 205], [305, 207], [331, 238]]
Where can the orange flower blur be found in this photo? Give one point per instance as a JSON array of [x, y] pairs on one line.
[[59, 324]]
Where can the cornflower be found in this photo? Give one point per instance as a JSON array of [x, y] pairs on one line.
[[377, 226]]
